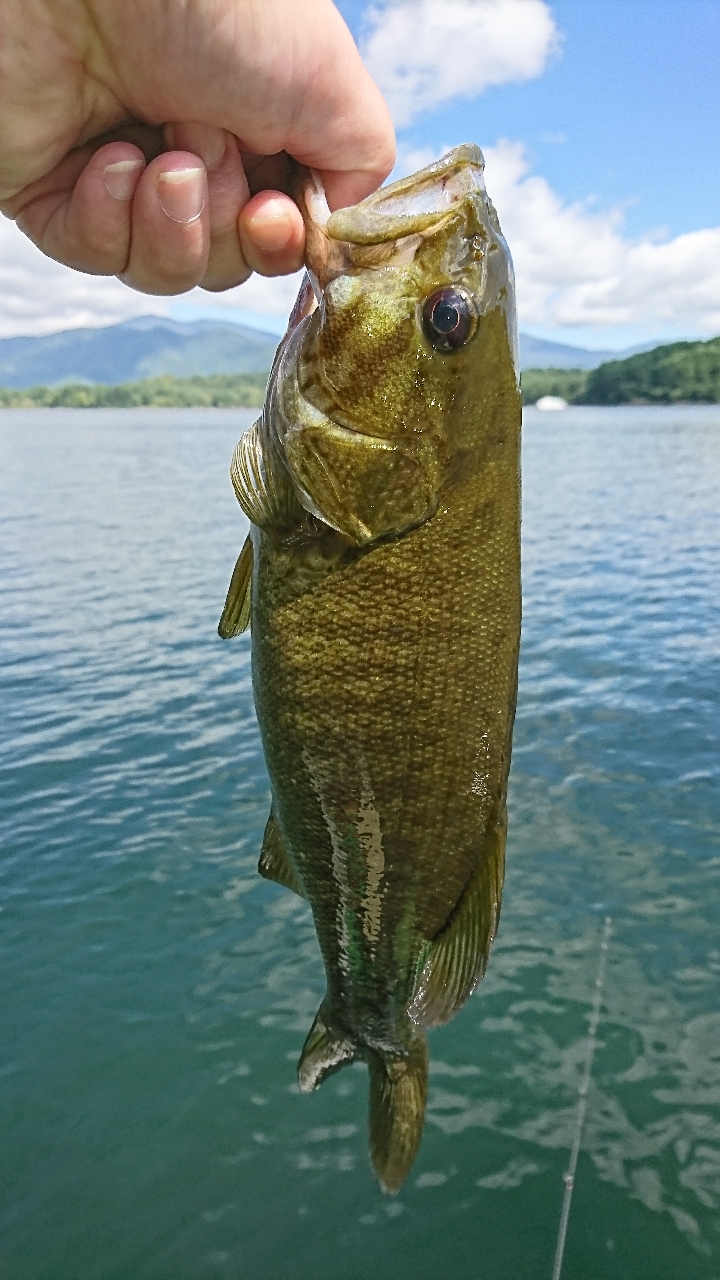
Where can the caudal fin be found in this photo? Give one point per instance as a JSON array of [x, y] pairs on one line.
[[398, 1093]]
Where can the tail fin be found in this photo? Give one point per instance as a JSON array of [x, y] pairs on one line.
[[324, 1051], [398, 1092]]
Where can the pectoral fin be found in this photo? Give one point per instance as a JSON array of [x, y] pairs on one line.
[[361, 485], [460, 953], [261, 484], [236, 614], [275, 862]]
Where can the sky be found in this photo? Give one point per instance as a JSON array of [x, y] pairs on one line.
[[599, 123]]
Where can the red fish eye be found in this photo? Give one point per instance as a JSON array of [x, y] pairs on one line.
[[447, 320]]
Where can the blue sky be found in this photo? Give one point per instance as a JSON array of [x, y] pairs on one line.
[[599, 119], [627, 112]]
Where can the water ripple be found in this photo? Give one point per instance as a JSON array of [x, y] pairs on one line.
[[156, 991]]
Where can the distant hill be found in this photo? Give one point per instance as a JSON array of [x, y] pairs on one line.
[[151, 347], [535, 353], [681, 372], [687, 372], [675, 373], [147, 347]]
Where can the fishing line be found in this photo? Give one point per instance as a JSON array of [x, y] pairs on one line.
[[569, 1177]]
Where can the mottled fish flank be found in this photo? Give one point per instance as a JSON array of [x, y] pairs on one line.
[[381, 578]]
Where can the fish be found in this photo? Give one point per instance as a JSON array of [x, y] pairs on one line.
[[381, 582]]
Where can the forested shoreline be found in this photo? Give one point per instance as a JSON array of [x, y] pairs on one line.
[[676, 373], [221, 391]]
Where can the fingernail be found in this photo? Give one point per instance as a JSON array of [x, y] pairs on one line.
[[120, 178], [181, 193], [271, 229]]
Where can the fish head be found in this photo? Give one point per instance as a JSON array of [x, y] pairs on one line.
[[411, 331], [404, 281]]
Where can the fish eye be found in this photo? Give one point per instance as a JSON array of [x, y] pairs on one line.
[[447, 319]]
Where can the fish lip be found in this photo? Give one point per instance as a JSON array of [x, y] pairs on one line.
[[380, 217]]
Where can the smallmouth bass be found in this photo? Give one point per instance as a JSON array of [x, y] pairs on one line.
[[382, 580]]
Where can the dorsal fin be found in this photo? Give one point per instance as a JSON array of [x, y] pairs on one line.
[[459, 954]]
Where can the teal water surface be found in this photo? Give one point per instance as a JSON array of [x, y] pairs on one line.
[[155, 992]]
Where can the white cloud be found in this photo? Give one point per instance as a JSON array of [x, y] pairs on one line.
[[410, 159], [575, 267], [424, 52], [259, 294], [38, 295], [41, 296]]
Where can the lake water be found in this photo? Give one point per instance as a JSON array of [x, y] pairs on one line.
[[155, 992]]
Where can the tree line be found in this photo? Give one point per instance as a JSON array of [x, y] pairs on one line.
[[675, 373], [221, 391]]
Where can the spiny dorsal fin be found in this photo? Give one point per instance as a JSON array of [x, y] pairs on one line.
[[236, 614], [459, 955], [324, 1052], [275, 861]]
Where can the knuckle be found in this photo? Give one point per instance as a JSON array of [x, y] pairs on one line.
[[144, 279], [218, 282]]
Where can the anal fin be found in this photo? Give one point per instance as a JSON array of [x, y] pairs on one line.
[[324, 1052], [398, 1091], [459, 954], [275, 862], [236, 614]]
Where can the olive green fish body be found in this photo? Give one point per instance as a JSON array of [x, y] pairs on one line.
[[385, 597]]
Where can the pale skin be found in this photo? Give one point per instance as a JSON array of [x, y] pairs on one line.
[[148, 139]]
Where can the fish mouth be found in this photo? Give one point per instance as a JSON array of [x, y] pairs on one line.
[[400, 215], [412, 205]]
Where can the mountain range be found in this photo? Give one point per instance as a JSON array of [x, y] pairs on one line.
[[536, 353], [142, 348], [150, 346]]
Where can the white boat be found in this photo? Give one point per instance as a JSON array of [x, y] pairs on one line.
[[551, 403]]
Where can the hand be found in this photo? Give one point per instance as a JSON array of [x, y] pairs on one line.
[[149, 139]]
